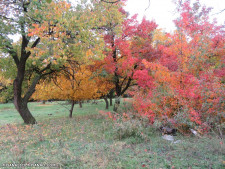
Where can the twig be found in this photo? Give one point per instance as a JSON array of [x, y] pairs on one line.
[[112, 2], [219, 12], [62, 106], [149, 2]]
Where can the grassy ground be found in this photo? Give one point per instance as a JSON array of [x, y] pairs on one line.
[[8, 113], [88, 141]]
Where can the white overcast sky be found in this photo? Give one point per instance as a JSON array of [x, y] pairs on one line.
[[163, 11]]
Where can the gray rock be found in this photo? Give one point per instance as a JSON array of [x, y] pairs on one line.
[[168, 137]]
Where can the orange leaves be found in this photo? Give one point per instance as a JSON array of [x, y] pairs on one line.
[[89, 53], [34, 30], [50, 29], [75, 84], [160, 73]]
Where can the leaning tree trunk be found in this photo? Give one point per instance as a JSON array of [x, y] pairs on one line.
[[21, 103], [106, 102], [25, 114], [71, 110], [117, 103]]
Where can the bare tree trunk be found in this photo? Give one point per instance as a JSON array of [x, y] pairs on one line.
[[71, 110], [111, 97], [21, 103], [25, 114], [80, 103], [107, 103], [117, 104], [111, 101], [21, 106]]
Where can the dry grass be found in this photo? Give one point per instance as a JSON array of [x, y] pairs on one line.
[[87, 141]]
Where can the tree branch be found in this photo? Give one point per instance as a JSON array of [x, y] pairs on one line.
[[2, 16], [48, 73], [33, 45], [219, 12], [128, 85], [36, 42], [13, 54], [44, 69], [149, 2], [129, 81], [124, 79], [31, 89], [37, 21], [36, 79], [111, 2]]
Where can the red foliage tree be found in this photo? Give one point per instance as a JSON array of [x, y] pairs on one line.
[[125, 51], [188, 87]]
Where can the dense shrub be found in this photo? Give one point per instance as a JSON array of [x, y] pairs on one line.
[[189, 91]]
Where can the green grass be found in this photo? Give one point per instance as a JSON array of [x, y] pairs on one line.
[[8, 113], [88, 141]]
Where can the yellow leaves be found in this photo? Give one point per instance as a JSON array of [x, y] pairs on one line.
[[89, 53], [4, 81], [65, 57], [159, 37], [75, 85], [33, 63], [54, 62]]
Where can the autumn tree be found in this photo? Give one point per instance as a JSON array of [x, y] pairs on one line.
[[75, 83], [104, 81], [127, 42], [45, 33], [186, 82]]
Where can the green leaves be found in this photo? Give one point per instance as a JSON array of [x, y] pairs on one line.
[[49, 1]]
